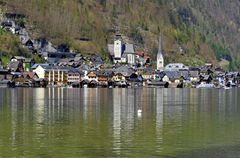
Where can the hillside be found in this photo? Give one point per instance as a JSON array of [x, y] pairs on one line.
[[194, 31]]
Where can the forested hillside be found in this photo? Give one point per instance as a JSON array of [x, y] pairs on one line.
[[194, 32]]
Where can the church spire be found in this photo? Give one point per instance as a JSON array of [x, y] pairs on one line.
[[160, 59], [160, 47]]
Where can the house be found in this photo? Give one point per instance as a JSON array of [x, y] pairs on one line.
[[97, 60], [15, 66], [92, 76], [220, 77], [148, 74], [125, 70], [7, 83], [207, 70], [206, 79], [27, 42], [160, 59], [56, 57], [40, 43], [18, 58], [39, 69], [232, 78], [119, 80], [89, 79], [135, 80], [158, 83], [118, 77], [121, 52], [74, 76], [142, 59], [8, 25], [56, 75], [194, 74], [45, 47], [23, 79], [85, 67], [30, 75], [176, 76], [103, 77], [162, 76]]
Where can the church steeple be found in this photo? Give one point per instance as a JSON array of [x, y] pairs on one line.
[[160, 59], [160, 45]]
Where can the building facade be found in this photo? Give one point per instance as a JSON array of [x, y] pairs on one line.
[[56, 76], [121, 52]]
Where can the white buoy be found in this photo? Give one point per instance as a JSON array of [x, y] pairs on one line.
[[139, 111]]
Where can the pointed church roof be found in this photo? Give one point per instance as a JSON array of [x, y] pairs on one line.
[[160, 47]]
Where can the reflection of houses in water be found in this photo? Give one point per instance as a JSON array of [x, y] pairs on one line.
[[14, 117], [55, 106], [117, 121], [39, 102], [128, 110], [19, 104], [124, 110], [176, 102], [91, 103], [85, 102], [159, 118]]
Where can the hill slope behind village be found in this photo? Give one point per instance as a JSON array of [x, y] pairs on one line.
[[193, 32]]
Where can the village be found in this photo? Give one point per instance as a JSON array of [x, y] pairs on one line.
[[128, 68]]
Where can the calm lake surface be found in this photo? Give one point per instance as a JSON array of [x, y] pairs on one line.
[[93, 123]]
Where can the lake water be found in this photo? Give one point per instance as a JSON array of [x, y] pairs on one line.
[[93, 123]]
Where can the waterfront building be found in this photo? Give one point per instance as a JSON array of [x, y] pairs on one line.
[[39, 69], [56, 75]]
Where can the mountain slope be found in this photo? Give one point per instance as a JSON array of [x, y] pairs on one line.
[[194, 31]]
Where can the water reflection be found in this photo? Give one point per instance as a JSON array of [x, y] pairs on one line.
[[117, 121], [159, 120], [60, 122]]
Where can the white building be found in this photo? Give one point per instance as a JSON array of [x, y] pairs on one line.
[[40, 70], [121, 52], [160, 59], [175, 67]]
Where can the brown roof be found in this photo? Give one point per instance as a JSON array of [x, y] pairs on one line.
[[30, 75], [91, 74]]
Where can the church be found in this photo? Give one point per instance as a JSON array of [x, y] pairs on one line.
[[121, 52], [160, 59]]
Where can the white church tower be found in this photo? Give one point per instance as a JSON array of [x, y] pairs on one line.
[[118, 47], [160, 59]]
